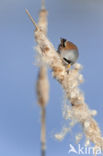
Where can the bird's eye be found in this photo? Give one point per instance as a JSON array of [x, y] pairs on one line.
[[63, 42]]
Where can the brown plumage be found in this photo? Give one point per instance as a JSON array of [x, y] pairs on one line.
[[67, 45]]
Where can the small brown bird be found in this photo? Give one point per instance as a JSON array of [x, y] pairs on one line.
[[68, 52]]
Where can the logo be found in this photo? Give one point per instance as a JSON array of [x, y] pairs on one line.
[[84, 150]]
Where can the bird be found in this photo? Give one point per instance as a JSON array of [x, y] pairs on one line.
[[68, 52]]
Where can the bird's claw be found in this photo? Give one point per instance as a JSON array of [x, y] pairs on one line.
[[68, 66]]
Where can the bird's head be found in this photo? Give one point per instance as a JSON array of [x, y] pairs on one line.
[[66, 45]]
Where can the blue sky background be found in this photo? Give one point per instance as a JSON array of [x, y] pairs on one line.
[[80, 21]]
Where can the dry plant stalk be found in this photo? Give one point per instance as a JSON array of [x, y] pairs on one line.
[[79, 111], [42, 92], [42, 82]]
